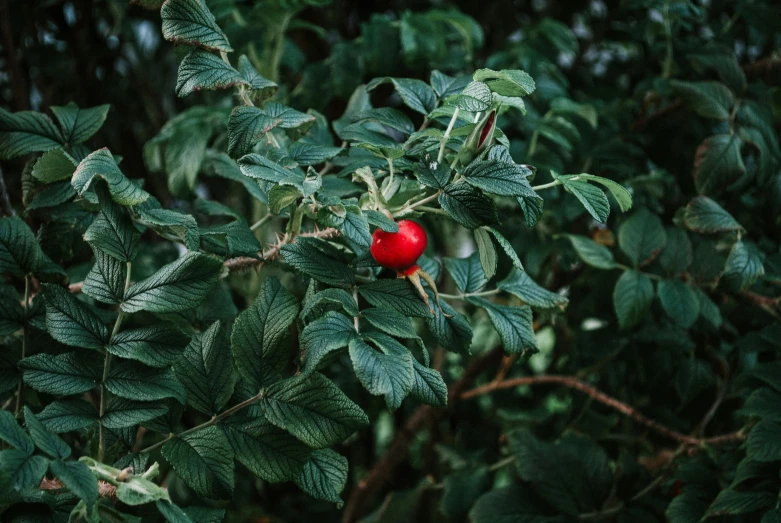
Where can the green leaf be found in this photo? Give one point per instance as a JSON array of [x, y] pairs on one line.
[[11, 315], [70, 321], [744, 266], [122, 413], [468, 206], [520, 284], [388, 373], [506, 82], [263, 87], [706, 216], [46, 441], [709, 311], [731, 502], [592, 253], [391, 322], [54, 166], [65, 374], [101, 164], [205, 515], [388, 117], [622, 196], [105, 282], [707, 99], [324, 476], [78, 478], [502, 178], [291, 118], [157, 345], [113, 231], [313, 409], [230, 240], [514, 504], [432, 174], [51, 195], [204, 460], [677, 254], [335, 296], [79, 124], [642, 237], [453, 332], [12, 433], [268, 452], [632, 297], [416, 94], [467, 273], [18, 248], [305, 153], [21, 471], [311, 256], [26, 132], [717, 163], [686, 508], [172, 225], [190, 22], [177, 286], [397, 294], [514, 325], [225, 167], [206, 371], [136, 490], [246, 127], [281, 196], [445, 85], [773, 516], [203, 71], [259, 333], [137, 382], [693, 377], [679, 301], [486, 252], [764, 442], [429, 387], [532, 209], [592, 198], [172, 512], [506, 247], [355, 229], [475, 97], [331, 332], [461, 490], [68, 415]]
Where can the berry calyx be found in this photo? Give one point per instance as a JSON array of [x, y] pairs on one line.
[[399, 250]]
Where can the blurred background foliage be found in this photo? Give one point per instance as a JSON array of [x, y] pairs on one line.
[[607, 102]]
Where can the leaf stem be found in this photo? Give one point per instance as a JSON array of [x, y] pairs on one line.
[[260, 222], [554, 183], [469, 294], [25, 336], [446, 136], [407, 208]]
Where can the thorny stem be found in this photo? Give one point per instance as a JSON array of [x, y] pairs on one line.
[[107, 369], [25, 336], [446, 136]]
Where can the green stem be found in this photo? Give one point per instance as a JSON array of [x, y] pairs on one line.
[[260, 222], [554, 183], [668, 59], [356, 321], [469, 294], [107, 369], [434, 210], [25, 336], [407, 208], [446, 136]]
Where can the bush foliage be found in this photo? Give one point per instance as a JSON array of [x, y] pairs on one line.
[[193, 328]]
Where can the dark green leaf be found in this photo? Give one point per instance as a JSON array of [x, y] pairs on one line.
[[54, 166], [66, 374], [506, 82], [331, 332], [706, 216], [324, 476], [310, 256], [46, 441], [520, 284], [68, 415], [679, 301], [717, 163], [204, 460], [429, 387], [123, 413], [468, 206], [101, 165], [113, 231], [744, 266], [158, 345], [78, 478], [79, 124], [190, 22], [105, 282], [133, 381], [246, 127], [432, 174], [390, 321], [416, 94], [388, 373], [206, 370], [70, 321], [592, 253], [632, 297], [203, 71], [12, 433], [502, 178], [707, 99], [26, 132], [514, 325], [396, 294], [642, 237], [467, 273], [18, 248]]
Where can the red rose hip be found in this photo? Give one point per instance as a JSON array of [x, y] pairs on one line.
[[399, 250]]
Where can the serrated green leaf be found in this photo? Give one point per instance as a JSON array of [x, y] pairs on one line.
[[642, 237], [677, 254], [706, 216], [291, 118], [506, 82], [26, 132], [513, 504], [324, 476], [506, 247], [592, 198], [387, 373], [263, 87], [331, 332], [190, 22], [707, 99], [246, 127], [230, 240], [467, 273], [305, 153], [432, 174], [68, 415], [113, 231], [764, 442], [310, 256], [12, 433], [206, 371], [378, 219], [20, 471], [335, 296], [18, 248], [717, 163], [204, 460], [157, 345], [502, 178], [101, 165], [744, 266], [172, 512], [520, 284], [532, 209], [632, 297], [123, 413], [445, 85], [679, 301], [387, 116], [106, 280], [259, 333], [11, 315], [475, 97], [79, 124], [65, 374], [78, 478], [390, 321], [46, 441], [468, 206], [136, 490], [416, 94], [622, 196], [172, 225], [313, 409], [131, 380], [709, 311], [70, 321], [693, 377], [53, 166], [429, 387], [268, 452], [453, 331], [514, 325], [203, 71], [177, 286], [486, 252], [396, 294], [592, 253], [730, 502], [51, 195]]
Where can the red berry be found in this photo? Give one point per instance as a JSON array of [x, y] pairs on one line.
[[399, 250]]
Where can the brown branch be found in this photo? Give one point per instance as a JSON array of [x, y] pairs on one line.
[[383, 470], [603, 398]]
